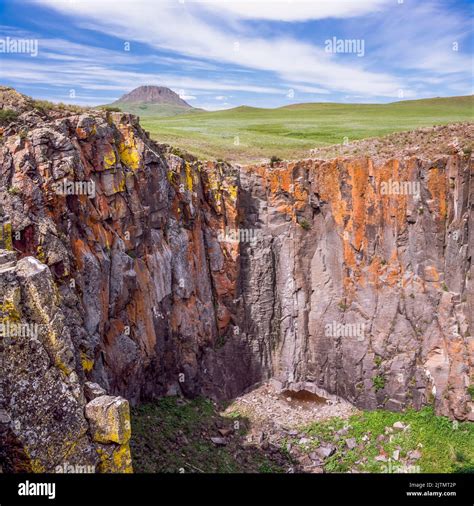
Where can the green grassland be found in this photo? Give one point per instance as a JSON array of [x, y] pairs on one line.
[[154, 110], [445, 446], [246, 134], [175, 435]]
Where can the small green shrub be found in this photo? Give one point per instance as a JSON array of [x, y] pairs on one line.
[[304, 224], [274, 159], [13, 190], [378, 382], [178, 152], [111, 108], [470, 391], [342, 305], [7, 116], [43, 105]]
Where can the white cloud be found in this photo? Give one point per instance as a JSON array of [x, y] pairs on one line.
[[294, 10], [93, 76], [409, 47], [213, 38], [308, 89]]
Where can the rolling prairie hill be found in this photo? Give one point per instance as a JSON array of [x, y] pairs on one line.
[[246, 134], [154, 101]]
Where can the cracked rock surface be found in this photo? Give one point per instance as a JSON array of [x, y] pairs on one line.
[[149, 273]]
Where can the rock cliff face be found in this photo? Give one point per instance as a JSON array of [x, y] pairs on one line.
[[148, 274], [43, 424], [363, 287], [138, 286]]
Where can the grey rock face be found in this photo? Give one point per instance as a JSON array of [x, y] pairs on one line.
[[359, 288]]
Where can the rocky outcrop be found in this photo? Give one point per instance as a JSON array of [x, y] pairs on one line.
[[130, 233], [149, 274], [43, 427]]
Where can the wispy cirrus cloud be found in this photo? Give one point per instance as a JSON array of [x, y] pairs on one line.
[[264, 52], [211, 35], [290, 11]]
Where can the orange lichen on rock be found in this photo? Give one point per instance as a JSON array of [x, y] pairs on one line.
[[437, 186]]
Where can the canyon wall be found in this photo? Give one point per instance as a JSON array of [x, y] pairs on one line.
[[147, 273], [135, 291], [362, 287]]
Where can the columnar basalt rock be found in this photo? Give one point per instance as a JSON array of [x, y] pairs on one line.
[[146, 284], [362, 287], [119, 264], [149, 273]]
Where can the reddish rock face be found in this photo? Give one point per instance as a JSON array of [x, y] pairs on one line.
[[172, 274], [136, 239], [363, 279]]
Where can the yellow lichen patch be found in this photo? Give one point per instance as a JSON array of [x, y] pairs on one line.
[[35, 465], [122, 459], [119, 461], [110, 159], [62, 366], [128, 152], [87, 363], [6, 238], [189, 176], [40, 254], [109, 419], [171, 175], [233, 191], [48, 319], [214, 181], [9, 309], [121, 186]]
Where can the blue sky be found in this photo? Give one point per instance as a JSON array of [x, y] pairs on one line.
[[224, 53]]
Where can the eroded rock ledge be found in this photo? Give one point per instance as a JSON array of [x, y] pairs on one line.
[[158, 274]]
